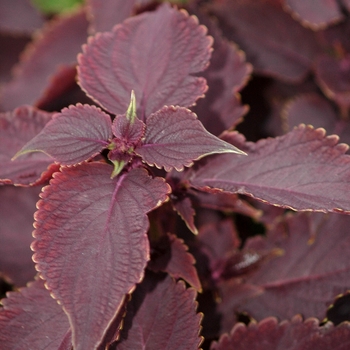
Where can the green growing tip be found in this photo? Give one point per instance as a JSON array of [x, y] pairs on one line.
[[131, 111], [118, 167]]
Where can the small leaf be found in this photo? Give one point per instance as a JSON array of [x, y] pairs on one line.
[[292, 335], [31, 319], [158, 64], [174, 138], [91, 233], [76, 134], [302, 170], [16, 129], [161, 316]]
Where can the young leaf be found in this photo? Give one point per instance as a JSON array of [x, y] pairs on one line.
[[174, 138], [91, 233], [161, 316], [302, 170], [56, 46], [157, 64], [76, 134], [292, 335], [17, 128], [31, 319], [17, 207]]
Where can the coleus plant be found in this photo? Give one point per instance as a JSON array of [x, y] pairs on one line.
[[108, 247]]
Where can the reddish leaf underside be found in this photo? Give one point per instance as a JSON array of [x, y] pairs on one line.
[[161, 316], [31, 319], [312, 271], [56, 46], [174, 138], [292, 335], [76, 134], [153, 54], [302, 170], [17, 128], [91, 233]]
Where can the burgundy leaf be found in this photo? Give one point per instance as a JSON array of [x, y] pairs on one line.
[[91, 233], [17, 128], [56, 46], [313, 270], [171, 255], [105, 14], [174, 138], [226, 75], [17, 207], [31, 319], [333, 76], [126, 131], [184, 208], [326, 12], [161, 316], [292, 335], [19, 17], [286, 53], [156, 64], [76, 134], [302, 170]]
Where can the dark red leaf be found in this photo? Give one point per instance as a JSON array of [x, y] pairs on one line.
[[156, 64], [16, 129], [19, 17], [17, 207], [326, 12], [226, 75], [303, 170], [105, 14], [171, 255], [31, 319], [91, 233], [184, 208], [56, 46], [174, 138], [333, 76], [126, 131], [313, 270], [76, 134], [161, 316], [268, 334], [286, 53]]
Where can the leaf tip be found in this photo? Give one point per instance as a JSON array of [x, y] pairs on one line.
[[131, 111]]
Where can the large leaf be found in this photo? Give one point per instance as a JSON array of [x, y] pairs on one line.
[[76, 134], [154, 54], [17, 207], [292, 335], [313, 270], [57, 46], [302, 170], [91, 233], [16, 129], [31, 319], [174, 138], [285, 53], [161, 316]]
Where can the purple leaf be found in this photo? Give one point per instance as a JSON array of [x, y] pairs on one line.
[[286, 53], [326, 12], [313, 270], [156, 64], [90, 233], [302, 170], [57, 46], [161, 316], [183, 206], [17, 128], [292, 335], [171, 255], [17, 207], [333, 76], [174, 138], [31, 319], [75, 135]]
